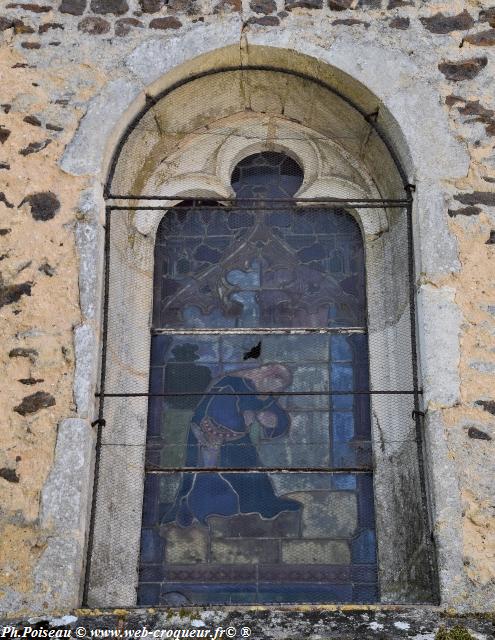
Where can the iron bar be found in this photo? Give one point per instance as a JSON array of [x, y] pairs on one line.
[[188, 394], [290, 201], [358, 204], [285, 470], [157, 331], [100, 422]]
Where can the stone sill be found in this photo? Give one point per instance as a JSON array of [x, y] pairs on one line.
[[291, 622]]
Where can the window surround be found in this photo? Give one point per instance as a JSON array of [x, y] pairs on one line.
[[330, 171]]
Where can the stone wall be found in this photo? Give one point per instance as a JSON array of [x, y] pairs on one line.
[[72, 74]]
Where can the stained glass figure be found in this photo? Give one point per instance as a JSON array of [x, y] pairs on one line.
[[259, 484]]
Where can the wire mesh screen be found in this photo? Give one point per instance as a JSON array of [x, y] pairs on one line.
[[259, 363]]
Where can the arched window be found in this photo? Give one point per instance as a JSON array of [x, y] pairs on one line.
[[259, 482]]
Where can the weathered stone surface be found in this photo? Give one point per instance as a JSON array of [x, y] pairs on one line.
[[125, 25], [151, 6], [339, 5], [439, 23], [9, 474], [34, 147], [27, 151], [94, 26], [32, 120], [464, 70], [35, 402], [44, 205], [351, 22], [43, 28], [399, 23], [227, 6], [488, 15], [263, 6], [265, 21], [464, 211], [117, 7], [35, 8], [165, 23], [10, 293], [477, 434], [4, 134], [482, 39], [73, 7], [22, 352], [393, 4], [306, 4], [486, 198], [85, 348]]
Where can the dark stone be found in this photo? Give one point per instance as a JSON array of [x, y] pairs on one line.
[[481, 114], [466, 211], [491, 239], [465, 70], [349, 22], [488, 15], [94, 26], [151, 6], [53, 127], [74, 7], [9, 474], [21, 352], [263, 6], [30, 45], [265, 21], [36, 8], [483, 39], [487, 405], [165, 23], [47, 269], [30, 381], [393, 4], [4, 134], [35, 402], [476, 434], [478, 197], [14, 23], [399, 23], [451, 100], [4, 165], [44, 205], [4, 232], [3, 199], [370, 4], [34, 147], [339, 5], [32, 120], [228, 6], [304, 4], [124, 25], [10, 293], [445, 24], [117, 7], [50, 25], [6, 107], [488, 179]]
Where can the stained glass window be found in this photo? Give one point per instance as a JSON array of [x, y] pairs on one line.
[[258, 466]]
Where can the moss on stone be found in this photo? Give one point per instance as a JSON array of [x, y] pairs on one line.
[[456, 633]]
